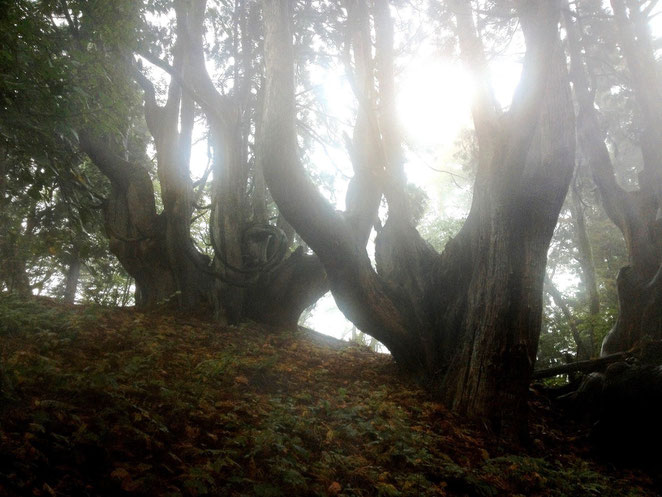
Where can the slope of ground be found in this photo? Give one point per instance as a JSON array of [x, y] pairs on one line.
[[97, 401]]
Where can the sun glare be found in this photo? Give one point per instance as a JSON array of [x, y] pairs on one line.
[[434, 101]]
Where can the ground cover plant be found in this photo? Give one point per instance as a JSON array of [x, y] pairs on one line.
[[97, 401]]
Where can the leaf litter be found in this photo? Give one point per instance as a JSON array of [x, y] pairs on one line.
[[110, 402]]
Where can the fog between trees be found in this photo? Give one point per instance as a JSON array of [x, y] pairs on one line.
[[100, 106]]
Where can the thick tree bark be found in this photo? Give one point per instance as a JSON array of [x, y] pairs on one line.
[[467, 322], [518, 194], [636, 213], [136, 233]]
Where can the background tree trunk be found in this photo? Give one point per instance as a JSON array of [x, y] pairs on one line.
[[72, 277], [585, 259], [13, 270], [635, 213], [584, 351]]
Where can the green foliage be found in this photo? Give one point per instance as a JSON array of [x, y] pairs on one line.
[[439, 230], [556, 340], [608, 256], [61, 73], [28, 316], [532, 476]]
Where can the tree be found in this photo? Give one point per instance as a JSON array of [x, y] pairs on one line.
[[465, 321], [572, 253], [637, 213], [81, 57]]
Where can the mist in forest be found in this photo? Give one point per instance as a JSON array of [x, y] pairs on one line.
[[401, 218]]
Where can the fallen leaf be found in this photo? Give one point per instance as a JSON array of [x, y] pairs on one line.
[[120, 474], [334, 488]]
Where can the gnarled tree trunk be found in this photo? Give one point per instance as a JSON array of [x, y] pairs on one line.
[[136, 233], [251, 275], [466, 321], [255, 278]]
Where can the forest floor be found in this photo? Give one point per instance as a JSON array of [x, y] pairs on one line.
[[97, 401]]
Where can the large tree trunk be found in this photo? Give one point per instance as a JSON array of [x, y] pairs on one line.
[[254, 278], [508, 247], [638, 214], [282, 295], [519, 192], [467, 322], [136, 233], [171, 126], [156, 250]]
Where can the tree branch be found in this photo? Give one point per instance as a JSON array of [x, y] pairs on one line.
[[592, 144], [362, 296], [581, 366], [485, 107], [582, 350]]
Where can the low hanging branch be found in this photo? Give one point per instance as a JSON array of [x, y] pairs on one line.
[[589, 366]]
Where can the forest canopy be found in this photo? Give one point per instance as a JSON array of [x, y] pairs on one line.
[[477, 183]]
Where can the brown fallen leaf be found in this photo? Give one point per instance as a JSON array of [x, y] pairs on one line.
[[120, 474], [334, 488], [241, 379]]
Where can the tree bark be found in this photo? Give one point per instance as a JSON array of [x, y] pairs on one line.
[[136, 233], [72, 277], [531, 163], [282, 295], [171, 126], [13, 271], [364, 191]]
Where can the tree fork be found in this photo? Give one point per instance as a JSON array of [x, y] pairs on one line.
[[465, 322]]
